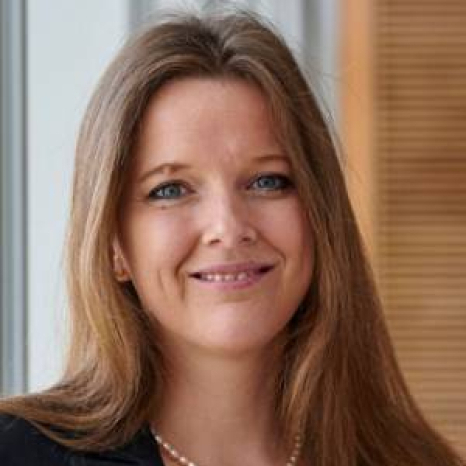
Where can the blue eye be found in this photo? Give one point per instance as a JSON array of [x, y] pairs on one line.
[[272, 182], [168, 191]]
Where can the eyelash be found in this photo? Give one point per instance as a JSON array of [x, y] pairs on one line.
[[284, 184]]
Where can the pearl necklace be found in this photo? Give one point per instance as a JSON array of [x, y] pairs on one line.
[[183, 461]]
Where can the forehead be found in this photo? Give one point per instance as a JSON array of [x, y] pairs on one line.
[[204, 118], [196, 95]]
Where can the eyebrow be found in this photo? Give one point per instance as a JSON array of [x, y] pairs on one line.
[[173, 167]]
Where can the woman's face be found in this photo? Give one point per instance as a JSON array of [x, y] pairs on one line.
[[212, 232]]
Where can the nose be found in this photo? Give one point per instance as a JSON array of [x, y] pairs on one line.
[[229, 222]]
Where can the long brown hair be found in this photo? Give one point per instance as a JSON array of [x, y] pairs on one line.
[[339, 382]]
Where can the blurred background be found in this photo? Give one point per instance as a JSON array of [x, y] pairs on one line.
[[391, 78]]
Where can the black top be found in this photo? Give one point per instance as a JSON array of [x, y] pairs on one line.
[[21, 444]]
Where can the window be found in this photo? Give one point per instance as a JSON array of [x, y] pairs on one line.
[[13, 198]]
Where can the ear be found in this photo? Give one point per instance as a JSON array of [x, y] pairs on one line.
[[120, 268]]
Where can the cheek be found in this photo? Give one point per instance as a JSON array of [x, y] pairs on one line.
[[286, 226], [290, 233], [156, 242]]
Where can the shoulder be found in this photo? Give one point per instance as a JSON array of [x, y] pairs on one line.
[[22, 444]]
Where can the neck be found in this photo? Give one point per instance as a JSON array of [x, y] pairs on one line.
[[221, 410]]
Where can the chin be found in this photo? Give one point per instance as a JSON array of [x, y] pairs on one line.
[[240, 344]]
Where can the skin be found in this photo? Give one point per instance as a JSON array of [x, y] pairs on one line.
[[226, 206]]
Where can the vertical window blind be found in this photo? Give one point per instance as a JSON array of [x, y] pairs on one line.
[[420, 208]]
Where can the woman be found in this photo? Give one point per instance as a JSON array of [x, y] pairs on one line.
[[223, 310]]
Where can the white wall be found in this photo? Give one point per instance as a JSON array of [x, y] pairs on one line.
[[69, 44]]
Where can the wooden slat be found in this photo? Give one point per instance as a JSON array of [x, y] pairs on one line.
[[420, 121], [404, 129], [357, 118]]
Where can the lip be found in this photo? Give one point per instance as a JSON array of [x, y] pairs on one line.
[[259, 269]]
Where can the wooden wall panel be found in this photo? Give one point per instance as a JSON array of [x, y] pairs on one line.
[[418, 175]]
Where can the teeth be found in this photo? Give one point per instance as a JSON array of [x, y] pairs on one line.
[[225, 277]]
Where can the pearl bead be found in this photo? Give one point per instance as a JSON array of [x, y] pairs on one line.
[[183, 461]]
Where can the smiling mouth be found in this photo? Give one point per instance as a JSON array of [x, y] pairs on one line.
[[243, 276]]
